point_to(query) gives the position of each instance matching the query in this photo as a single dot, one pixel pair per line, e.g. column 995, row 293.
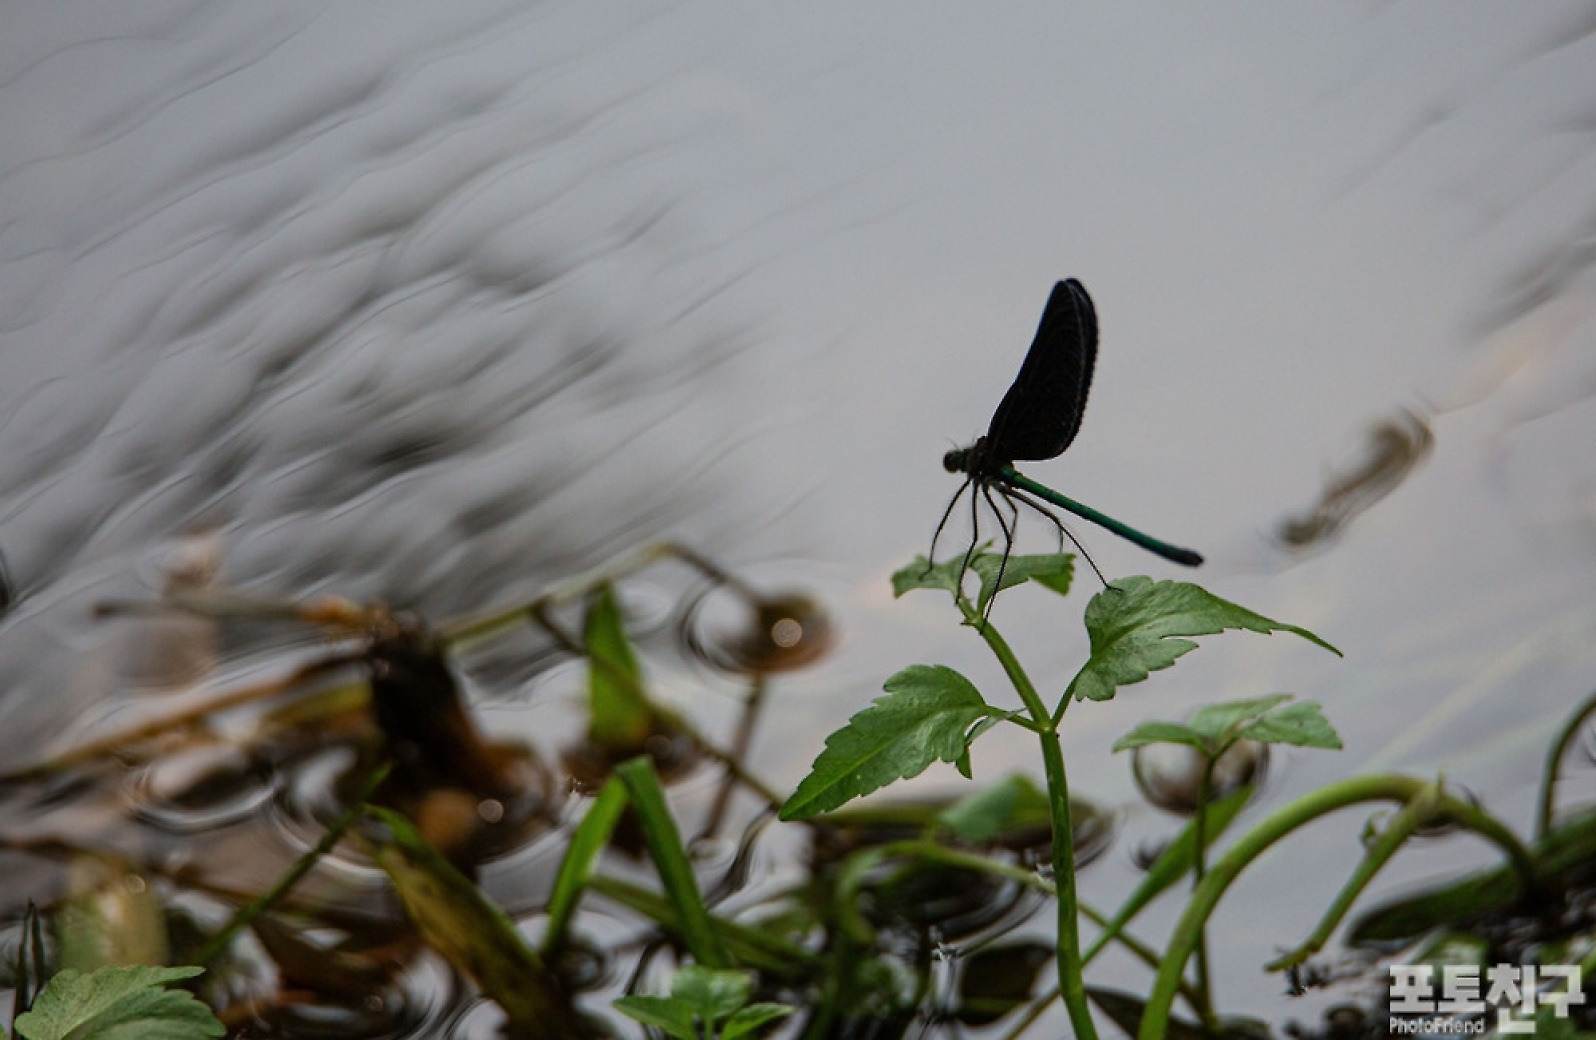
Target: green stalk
column 1554, row 759
column 1419, row 811
column 1205, row 1007
column 1138, row 949
column 1189, row 930
column 1071, row 973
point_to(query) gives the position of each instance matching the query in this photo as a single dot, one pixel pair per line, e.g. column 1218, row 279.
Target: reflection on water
column 409, row 322
column 1395, row 448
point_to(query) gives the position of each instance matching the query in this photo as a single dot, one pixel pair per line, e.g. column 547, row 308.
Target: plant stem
column 1189, row 930
column 1554, row 759
column 1205, row 790
column 1395, row 832
column 1071, row 975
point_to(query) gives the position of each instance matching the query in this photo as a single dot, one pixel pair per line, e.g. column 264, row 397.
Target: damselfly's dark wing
column 1039, row 416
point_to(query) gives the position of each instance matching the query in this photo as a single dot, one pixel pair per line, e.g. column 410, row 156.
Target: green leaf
column 1136, row 627
column 587, row 841
column 1220, row 723
column 1053, row 570
column 700, row 999
column 713, row 993
column 751, row 1018
column 925, row 717
column 982, row 816
column 618, row 714
column 118, row 1003
column 674, row 1016
column 1300, row 724
column 922, row 574
column 1213, row 729
column 670, row 860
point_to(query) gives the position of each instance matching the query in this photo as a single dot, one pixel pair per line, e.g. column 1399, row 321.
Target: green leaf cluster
column 931, row 713
column 1136, row 626
column 119, row 1003
column 704, row 1003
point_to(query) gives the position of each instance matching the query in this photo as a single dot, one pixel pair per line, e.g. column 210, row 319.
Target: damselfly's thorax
column 977, row 460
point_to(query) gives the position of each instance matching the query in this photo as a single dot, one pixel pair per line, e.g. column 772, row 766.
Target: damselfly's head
column 964, row 460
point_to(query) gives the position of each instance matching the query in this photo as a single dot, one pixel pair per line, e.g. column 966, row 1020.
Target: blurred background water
column 441, row 304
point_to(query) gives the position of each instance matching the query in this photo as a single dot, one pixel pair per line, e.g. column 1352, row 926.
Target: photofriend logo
column 1460, row 1001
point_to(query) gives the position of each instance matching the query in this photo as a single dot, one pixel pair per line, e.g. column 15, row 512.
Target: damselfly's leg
column 931, row 557
column 975, row 534
column 1008, row 545
column 1064, row 532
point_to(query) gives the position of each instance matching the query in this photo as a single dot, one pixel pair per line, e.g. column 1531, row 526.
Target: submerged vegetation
column 885, row 919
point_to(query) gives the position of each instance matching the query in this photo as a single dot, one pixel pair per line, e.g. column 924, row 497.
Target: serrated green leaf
column 712, row 993
column 618, row 714
column 118, row 1003
column 921, row 574
column 1302, row 725
column 1052, row 569
column 1214, row 728
column 1136, row 627
column 673, row 1016
column 751, row 1018
column 925, row 717
column 1219, row 723
column 1059, row 583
